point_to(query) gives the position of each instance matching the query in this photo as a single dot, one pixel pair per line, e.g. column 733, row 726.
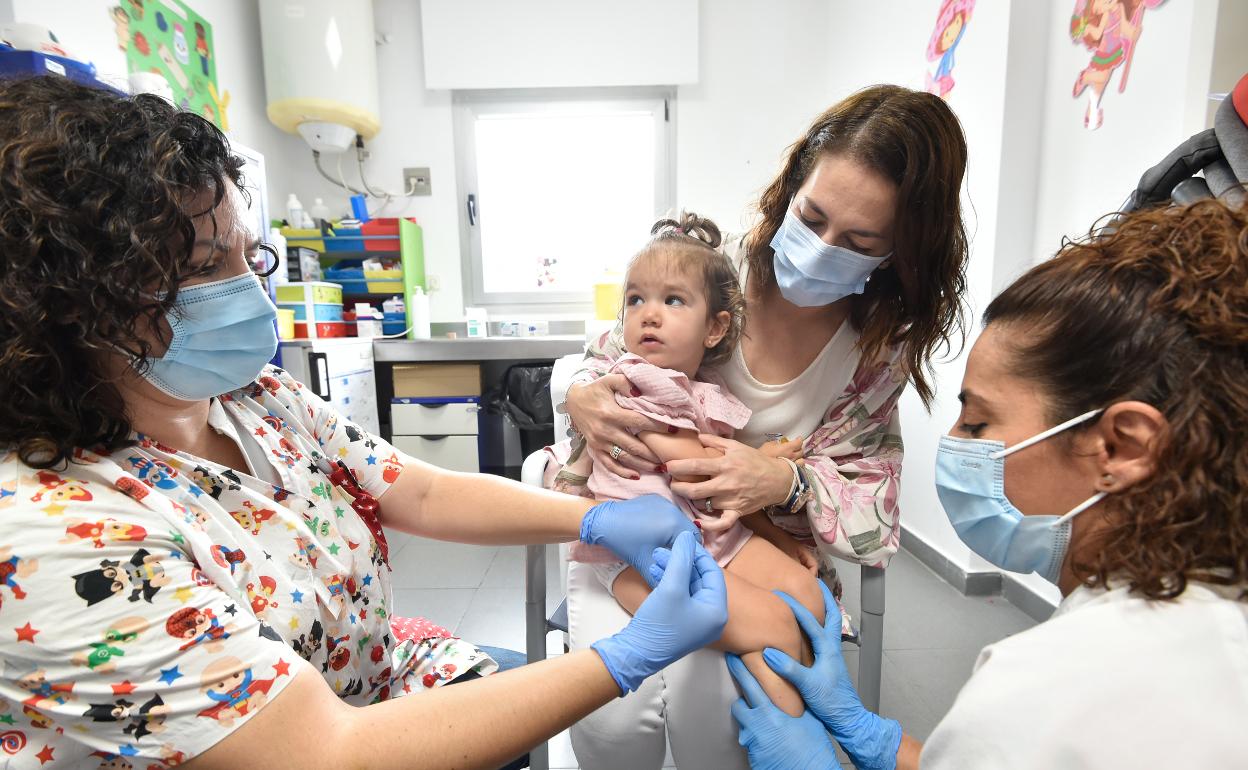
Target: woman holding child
column 851, row 283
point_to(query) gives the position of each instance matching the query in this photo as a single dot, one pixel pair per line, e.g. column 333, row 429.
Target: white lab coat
column 1111, row 680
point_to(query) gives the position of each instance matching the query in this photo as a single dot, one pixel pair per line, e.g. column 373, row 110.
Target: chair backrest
column 560, row 379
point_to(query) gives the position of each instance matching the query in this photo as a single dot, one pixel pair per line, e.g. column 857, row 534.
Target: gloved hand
column 634, row 528
column 775, row 740
column 686, row 611
column 870, row 740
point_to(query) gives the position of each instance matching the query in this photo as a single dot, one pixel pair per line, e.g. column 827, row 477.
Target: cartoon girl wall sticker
column 1110, row 29
column 950, row 26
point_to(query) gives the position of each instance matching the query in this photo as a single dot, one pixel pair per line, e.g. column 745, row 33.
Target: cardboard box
column 437, row 380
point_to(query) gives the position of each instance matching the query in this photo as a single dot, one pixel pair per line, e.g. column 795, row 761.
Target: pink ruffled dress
column 671, row 398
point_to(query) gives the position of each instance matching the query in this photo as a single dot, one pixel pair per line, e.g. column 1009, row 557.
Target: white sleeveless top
column 797, row 407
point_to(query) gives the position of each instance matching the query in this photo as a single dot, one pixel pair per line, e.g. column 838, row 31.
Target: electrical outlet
column 416, row 181
column 433, row 283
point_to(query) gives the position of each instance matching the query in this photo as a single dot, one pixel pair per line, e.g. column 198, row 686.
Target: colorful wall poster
column 1110, row 29
column 172, row 40
column 951, row 23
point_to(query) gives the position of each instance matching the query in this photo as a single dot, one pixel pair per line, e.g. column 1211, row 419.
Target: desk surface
column 478, row 348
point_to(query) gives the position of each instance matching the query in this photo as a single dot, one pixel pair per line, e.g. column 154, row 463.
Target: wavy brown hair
column 913, row 139
column 96, row 192
column 1154, row 311
column 692, row 243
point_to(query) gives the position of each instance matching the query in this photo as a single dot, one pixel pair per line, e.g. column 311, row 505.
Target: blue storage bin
column 345, row 239
column 323, row 312
column 394, row 323
column 349, row 273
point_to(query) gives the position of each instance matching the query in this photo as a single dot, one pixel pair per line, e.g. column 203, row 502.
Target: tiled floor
column 932, row 633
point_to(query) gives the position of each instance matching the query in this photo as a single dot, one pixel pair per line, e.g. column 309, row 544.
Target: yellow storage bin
column 384, row 281
column 285, row 323
column 304, row 236
column 316, row 292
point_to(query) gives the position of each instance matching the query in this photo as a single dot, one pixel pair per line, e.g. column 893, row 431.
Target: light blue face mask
column 223, row 335
column 970, row 481
column 811, row 273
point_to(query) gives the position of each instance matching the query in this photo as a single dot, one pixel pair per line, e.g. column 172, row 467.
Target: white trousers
column 687, row 703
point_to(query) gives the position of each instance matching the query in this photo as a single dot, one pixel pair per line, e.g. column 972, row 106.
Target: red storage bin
column 382, row 226
column 323, row 330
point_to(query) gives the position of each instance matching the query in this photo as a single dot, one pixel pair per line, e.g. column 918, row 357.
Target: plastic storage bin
column 384, row 281
column 317, row 292
column 309, row 237
column 393, row 323
column 350, row 275
column 320, row 312
column 385, row 226
column 345, row 239
column 321, row 330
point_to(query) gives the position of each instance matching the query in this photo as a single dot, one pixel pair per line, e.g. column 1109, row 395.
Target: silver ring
column 616, row 451
column 706, row 505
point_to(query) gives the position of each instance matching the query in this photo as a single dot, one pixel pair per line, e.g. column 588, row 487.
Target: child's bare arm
column 681, row 445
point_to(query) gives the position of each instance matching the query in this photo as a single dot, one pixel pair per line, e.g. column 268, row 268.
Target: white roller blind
column 471, row 44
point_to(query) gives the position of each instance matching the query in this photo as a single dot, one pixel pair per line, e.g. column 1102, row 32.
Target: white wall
column 886, row 44
column 1084, row 174
column 764, row 77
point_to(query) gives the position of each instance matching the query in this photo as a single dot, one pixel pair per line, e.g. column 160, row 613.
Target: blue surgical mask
column 970, row 481
column 223, row 335
column 811, row 273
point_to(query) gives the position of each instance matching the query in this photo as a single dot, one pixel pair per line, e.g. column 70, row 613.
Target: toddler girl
column 683, row 313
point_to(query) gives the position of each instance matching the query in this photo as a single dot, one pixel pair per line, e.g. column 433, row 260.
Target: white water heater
column 320, row 70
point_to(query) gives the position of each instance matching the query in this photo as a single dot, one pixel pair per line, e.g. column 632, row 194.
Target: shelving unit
column 408, row 249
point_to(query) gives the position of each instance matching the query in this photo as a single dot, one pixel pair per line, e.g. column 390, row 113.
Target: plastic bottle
column 419, row 314
column 319, row 212
column 294, row 211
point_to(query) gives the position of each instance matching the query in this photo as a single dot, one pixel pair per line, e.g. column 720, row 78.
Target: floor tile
column 495, row 617
column 937, row 675
column 444, row 606
column 434, row 564
column 507, row 569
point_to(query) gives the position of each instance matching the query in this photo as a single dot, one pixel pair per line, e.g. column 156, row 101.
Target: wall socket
column 416, row 181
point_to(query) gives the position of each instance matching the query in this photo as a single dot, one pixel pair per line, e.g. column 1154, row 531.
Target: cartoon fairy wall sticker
column 1110, row 29
column 950, row 26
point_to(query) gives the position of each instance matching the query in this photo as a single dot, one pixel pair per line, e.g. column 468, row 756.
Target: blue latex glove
column 686, row 611
column 870, row 740
column 633, row 529
column 775, row 740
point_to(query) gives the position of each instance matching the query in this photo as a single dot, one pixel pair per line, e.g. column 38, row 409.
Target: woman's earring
column 1107, row 479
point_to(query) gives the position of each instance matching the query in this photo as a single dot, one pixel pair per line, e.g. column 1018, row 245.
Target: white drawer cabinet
column 455, row 419
column 440, row 431
column 454, row 453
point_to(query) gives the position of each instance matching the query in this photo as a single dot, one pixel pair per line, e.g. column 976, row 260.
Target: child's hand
column 791, row 448
column 725, row 520
column 805, row 556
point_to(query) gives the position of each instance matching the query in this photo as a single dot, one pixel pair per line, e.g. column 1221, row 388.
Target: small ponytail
column 687, row 225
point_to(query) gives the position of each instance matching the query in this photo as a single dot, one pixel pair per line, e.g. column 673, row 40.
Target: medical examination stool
column 870, row 638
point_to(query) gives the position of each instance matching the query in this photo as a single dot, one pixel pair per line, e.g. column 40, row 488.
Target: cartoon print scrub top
column 152, row 601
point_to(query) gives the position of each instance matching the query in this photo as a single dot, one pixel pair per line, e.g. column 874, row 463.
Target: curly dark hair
column 1154, row 311
column 693, row 241
column 96, row 232
column 913, row 139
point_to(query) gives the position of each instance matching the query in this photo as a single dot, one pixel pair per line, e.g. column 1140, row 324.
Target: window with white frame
column 558, row 188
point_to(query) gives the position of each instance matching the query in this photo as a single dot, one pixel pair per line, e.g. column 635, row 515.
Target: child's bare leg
column 757, row 618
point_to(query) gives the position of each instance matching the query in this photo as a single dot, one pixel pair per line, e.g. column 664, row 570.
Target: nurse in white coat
column 1101, row 443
